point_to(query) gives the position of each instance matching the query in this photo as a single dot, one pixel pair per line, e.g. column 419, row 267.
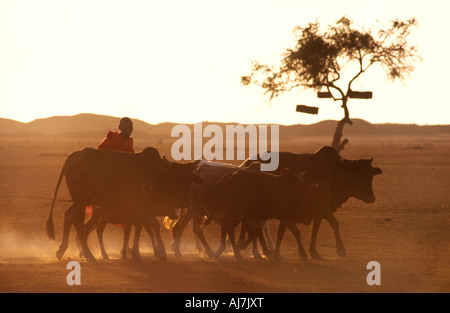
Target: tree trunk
column 337, row 143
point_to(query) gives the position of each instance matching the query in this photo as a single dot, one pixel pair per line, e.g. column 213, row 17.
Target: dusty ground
column 406, row 230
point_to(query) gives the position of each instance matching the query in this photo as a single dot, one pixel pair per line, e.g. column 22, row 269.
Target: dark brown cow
column 130, row 188
column 247, row 195
column 346, row 178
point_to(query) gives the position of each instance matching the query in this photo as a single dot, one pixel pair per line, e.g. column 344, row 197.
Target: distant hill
column 89, row 126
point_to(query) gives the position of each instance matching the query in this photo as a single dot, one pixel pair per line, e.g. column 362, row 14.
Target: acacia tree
column 322, row 59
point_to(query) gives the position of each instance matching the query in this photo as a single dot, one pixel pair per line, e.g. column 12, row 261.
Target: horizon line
column 220, row 122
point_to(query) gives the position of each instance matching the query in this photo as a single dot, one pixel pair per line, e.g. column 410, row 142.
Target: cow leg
column 137, row 232
column 178, row 229
column 135, row 255
column 198, row 243
column 100, row 229
column 160, row 251
column 91, row 224
column 78, row 219
column 312, row 245
column 301, row 251
column 197, row 222
column 268, row 236
column 68, row 220
column 242, row 243
column 152, row 237
column 223, row 240
column 335, row 225
column 260, row 236
column 229, row 227
column 280, row 234
column 254, row 233
column 126, row 239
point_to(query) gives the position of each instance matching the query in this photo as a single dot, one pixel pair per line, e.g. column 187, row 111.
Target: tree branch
column 361, row 70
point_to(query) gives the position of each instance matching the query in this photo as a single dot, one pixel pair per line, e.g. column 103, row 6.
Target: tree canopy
column 320, row 56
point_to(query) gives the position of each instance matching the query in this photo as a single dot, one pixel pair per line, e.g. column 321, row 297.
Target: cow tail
column 49, row 224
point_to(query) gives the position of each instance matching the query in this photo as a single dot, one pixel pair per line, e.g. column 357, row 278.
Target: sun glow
column 182, row 61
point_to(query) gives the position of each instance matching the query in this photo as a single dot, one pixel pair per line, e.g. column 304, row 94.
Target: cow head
column 359, row 175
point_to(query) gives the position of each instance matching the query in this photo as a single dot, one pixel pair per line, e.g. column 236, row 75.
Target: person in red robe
column 119, row 141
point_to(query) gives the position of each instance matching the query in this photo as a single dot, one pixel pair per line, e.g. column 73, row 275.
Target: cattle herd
column 135, row 189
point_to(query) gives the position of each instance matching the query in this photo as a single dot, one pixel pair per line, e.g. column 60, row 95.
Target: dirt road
column 406, row 230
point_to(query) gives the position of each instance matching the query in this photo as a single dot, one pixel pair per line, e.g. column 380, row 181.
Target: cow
column 253, row 196
column 99, row 219
column 202, row 201
column 346, row 178
column 130, row 188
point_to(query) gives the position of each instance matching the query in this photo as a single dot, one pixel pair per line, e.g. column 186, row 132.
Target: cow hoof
column 269, row 253
column 177, row 254
column 106, row 257
column 341, row 252
column 59, row 254
column 212, row 255
column 161, row 255
column 259, row 257
column 136, row 257
column 316, row 256
column 201, row 254
column 91, row 259
column 304, row 257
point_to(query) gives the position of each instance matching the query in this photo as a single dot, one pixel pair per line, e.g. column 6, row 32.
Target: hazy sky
column 181, row 61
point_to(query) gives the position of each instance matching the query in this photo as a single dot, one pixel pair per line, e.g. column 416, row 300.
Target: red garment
column 115, row 141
